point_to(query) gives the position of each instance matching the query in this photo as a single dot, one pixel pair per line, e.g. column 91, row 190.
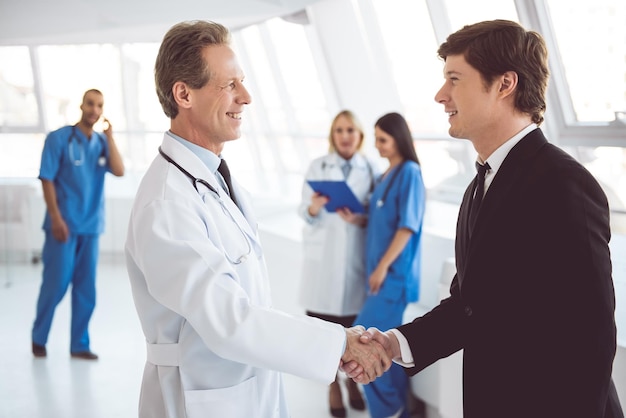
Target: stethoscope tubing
column 74, row 140
column 380, row 202
column 195, row 180
column 216, row 194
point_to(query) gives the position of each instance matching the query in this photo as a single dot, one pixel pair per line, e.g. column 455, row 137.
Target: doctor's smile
column 236, row 116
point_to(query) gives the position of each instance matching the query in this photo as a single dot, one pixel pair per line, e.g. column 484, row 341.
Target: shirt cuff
column 406, row 357
column 312, row 220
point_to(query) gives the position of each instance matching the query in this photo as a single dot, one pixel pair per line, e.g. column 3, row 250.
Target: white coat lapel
column 186, row 159
column 242, row 216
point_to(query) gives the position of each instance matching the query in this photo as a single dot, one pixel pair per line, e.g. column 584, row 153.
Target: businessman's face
column 470, row 104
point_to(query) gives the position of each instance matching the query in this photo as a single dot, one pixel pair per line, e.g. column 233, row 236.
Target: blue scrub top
column 403, row 208
column 73, row 163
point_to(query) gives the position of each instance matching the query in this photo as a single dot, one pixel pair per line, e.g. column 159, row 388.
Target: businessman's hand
column 387, row 340
column 365, row 358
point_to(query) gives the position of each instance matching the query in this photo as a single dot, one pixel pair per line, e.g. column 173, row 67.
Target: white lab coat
column 333, row 274
column 215, row 346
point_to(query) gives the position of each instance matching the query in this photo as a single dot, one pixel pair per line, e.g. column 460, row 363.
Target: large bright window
column 463, row 12
column 591, row 38
column 287, row 121
column 411, row 48
column 298, row 72
column 67, row 71
column 18, row 104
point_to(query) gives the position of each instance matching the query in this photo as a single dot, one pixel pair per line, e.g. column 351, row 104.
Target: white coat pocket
column 234, row 402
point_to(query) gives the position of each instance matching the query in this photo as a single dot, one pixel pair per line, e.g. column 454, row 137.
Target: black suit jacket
column 532, row 303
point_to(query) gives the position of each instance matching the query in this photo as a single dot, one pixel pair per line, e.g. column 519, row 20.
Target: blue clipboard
column 339, row 194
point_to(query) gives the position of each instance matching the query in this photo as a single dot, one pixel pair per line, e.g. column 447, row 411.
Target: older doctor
column 215, row 345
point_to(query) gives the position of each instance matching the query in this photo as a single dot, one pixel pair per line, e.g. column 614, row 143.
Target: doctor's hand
column 351, row 217
column 59, row 228
column 317, row 203
column 367, row 360
column 387, row 341
column 107, row 128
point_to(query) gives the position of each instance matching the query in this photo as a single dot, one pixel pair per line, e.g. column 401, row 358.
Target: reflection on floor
column 60, row 387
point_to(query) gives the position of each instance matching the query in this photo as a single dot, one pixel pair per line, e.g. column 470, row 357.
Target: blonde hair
column 353, row 119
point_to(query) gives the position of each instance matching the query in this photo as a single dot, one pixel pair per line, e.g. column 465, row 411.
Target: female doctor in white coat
column 215, row 345
column 333, row 274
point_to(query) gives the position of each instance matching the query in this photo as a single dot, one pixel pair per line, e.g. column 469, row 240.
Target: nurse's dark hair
column 395, row 125
column 353, row 119
column 180, row 59
column 497, row 46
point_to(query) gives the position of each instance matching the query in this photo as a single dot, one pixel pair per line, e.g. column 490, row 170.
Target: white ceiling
column 34, row 22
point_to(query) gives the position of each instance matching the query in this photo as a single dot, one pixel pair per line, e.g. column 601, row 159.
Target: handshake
column 368, row 353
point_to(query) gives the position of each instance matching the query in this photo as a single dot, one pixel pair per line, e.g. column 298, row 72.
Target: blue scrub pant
column 73, row 261
column 387, row 394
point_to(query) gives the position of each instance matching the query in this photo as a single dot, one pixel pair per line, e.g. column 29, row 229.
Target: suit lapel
column 462, row 229
column 514, row 169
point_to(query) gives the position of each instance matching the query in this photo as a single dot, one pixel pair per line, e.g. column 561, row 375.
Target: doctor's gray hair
column 180, row 59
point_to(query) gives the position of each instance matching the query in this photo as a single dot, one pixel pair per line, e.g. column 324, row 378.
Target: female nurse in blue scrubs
column 394, row 232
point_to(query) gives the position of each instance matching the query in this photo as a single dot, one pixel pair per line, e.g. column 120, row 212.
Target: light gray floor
column 60, row 387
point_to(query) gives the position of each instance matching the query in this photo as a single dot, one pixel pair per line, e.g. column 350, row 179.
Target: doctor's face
column 217, row 108
column 92, row 108
column 346, row 137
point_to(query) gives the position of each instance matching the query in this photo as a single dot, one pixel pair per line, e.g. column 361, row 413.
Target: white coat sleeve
column 186, row 272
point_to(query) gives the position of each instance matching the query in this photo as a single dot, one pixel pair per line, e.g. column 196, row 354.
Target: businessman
column 532, row 302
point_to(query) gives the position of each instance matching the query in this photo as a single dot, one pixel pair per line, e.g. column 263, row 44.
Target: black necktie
column 225, row 172
column 478, row 197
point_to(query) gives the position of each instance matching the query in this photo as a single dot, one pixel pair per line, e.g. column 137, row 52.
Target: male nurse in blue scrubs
column 73, row 164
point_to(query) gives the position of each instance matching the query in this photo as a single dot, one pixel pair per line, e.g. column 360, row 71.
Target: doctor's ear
column 181, row 93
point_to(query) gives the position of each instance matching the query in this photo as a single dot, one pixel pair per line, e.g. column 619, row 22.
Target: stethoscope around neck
column 380, row 202
column 195, row 181
column 74, row 141
column 370, row 170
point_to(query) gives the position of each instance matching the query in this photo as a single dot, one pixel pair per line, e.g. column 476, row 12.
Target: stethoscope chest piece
column 74, row 142
column 380, row 202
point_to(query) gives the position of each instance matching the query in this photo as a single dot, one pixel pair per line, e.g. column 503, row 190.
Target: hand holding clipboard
column 339, row 195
